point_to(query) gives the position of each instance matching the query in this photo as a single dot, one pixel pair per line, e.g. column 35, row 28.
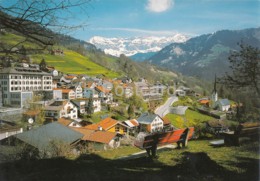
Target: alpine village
column 70, row 110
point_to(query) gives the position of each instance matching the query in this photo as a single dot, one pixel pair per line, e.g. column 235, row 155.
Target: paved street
column 164, row 109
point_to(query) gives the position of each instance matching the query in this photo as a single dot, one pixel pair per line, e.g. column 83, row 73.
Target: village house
column 66, row 93
column 61, row 108
column 99, row 140
column 149, row 92
column 68, row 78
column 133, row 126
column 150, row 123
column 110, row 125
column 80, row 104
column 105, row 84
column 105, row 94
column 78, row 91
column 90, row 92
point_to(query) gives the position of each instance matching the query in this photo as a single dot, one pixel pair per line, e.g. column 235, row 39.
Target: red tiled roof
column 96, row 136
column 204, row 101
column 105, row 124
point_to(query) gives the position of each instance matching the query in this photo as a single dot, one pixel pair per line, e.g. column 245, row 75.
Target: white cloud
column 159, row 5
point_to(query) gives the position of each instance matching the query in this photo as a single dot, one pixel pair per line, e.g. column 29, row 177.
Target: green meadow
column 191, row 118
column 74, row 63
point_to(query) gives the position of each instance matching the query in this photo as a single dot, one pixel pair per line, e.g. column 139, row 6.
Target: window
column 117, row 128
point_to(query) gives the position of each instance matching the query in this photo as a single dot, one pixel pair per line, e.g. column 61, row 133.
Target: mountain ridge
column 132, row 46
column 205, row 55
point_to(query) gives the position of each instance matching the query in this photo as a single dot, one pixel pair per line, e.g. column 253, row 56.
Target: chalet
column 105, row 94
column 61, row 108
column 150, row 123
column 110, row 125
column 80, row 104
column 99, row 140
column 133, row 125
column 78, row 91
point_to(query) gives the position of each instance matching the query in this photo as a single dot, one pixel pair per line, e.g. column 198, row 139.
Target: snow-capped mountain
column 131, row 46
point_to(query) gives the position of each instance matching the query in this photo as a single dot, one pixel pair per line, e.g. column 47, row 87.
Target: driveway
column 164, row 109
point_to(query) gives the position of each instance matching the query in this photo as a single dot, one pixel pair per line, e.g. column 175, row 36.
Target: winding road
column 164, row 109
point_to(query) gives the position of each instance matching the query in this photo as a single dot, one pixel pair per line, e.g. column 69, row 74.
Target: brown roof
column 96, row 136
column 105, row 124
column 64, row 121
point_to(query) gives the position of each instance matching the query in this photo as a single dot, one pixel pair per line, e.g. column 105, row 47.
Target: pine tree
column 43, row 65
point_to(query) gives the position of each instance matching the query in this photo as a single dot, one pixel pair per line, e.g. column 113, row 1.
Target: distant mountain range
column 205, row 55
column 132, row 46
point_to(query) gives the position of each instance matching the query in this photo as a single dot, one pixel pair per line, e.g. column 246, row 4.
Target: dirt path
column 143, row 153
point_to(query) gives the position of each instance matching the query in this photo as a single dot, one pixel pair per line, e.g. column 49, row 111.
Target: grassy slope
column 191, row 118
column 197, row 162
column 71, row 62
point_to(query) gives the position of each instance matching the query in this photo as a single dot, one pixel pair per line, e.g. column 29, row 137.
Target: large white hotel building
column 18, row 84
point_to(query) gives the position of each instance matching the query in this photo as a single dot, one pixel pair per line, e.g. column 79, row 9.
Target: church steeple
column 215, row 85
column 214, row 96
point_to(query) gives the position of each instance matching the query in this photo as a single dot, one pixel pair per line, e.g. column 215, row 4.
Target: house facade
column 61, row 108
column 110, row 125
column 150, row 123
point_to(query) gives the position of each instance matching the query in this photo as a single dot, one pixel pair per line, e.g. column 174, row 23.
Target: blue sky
column 128, row 18
column 135, row 18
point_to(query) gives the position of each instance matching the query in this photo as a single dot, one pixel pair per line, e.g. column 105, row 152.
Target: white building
column 61, row 108
column 78, row 91
column 18, row 84
column 150, row 123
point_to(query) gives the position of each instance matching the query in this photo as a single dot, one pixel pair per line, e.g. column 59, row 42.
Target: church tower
column 214, row 95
